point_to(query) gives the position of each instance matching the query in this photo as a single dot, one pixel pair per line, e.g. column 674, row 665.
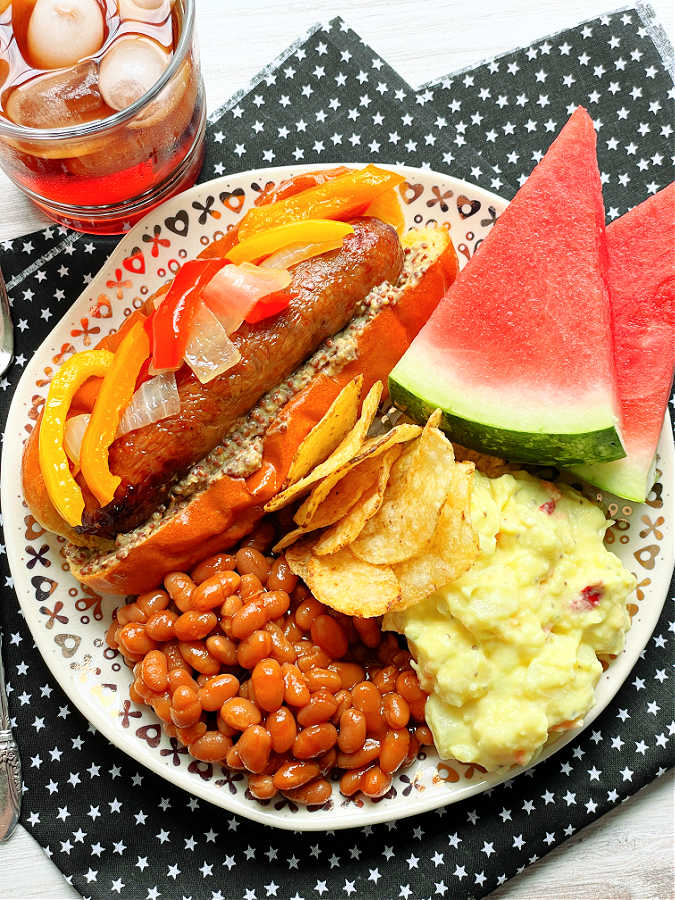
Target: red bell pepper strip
column 172, row 319
column 269, row 305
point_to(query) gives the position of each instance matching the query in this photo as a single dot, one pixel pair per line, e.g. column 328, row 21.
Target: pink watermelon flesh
column 641, row 247
column 519, row 353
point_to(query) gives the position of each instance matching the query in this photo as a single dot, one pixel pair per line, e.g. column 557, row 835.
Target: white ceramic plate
column 68, row 622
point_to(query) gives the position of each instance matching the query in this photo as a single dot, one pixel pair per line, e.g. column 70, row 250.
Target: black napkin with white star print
column 619, row 66
column 115, row 830
column 332, row 98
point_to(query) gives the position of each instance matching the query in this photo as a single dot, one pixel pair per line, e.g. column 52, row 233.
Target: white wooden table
column 628, row 853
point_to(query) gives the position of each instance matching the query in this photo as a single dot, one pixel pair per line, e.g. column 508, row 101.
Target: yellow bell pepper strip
column 341, row 198
column 387, row 208
column 309, row 231
column 114, row 395
column 84, row 399
column 62, row 488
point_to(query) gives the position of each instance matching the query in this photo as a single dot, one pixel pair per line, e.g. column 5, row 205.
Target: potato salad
column 509, row 652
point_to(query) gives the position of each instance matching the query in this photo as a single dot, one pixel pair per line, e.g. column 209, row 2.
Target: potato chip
column 351, row 586
column 350, row 527
column 492, row 466
column 328, row 432
column 452, row 549
column 372, row 448
column 417, row 489
column 346, row 450
column 434, row 419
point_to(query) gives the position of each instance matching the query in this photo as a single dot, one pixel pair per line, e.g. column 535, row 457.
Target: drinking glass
column 101, row 176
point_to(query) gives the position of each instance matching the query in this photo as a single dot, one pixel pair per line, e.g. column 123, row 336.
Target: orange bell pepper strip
column 340, row 198
column 62, row 489
column 307, row 231
column 114, row 395
column 84, row 399
column 287, row 188
column 387, row 208
column 297, row 183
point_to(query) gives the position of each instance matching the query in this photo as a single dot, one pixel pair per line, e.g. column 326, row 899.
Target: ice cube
column 59, row 99
column 151, row 11
column 129, row 69
column 62, row 32
column 173, row 106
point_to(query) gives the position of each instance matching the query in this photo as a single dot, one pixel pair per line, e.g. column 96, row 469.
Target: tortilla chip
column 343, row 495
column 372, row 448
column 416, row 492
column 346, row 450
column 336, row 506
column 452, row 549
column 298, row 557
column 322, row 440
column 350, row 527
column 351, row 586
column 290, row 538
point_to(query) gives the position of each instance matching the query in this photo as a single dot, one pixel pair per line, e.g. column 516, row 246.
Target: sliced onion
column 210, row 352
column 297, row 253
column 234, row 291
column 72, row 437
column 155, row 399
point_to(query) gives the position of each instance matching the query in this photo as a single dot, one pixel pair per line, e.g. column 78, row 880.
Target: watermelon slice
column 642, row 289
column 518, row 355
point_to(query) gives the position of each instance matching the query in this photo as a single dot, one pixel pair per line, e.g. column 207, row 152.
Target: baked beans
column 215, row 590
column 213, row 565
column 282, row 728
column 247, row 669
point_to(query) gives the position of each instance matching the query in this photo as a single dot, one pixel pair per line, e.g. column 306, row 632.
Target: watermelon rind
column 624, row 478
column 602, row 444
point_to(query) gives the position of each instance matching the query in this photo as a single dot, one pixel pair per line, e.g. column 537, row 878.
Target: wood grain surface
column 629, row 852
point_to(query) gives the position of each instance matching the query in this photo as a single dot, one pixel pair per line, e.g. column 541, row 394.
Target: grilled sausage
column 328, row 290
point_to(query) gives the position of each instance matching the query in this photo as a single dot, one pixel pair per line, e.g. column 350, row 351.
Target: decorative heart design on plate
column 33, row 528
column 233, row 200
column 466, row 207
column 410, row 192
column 103, row 308
column 151, row 734
column 135, row 262
column 44, row 587
column 178, row 224
column 68, row 644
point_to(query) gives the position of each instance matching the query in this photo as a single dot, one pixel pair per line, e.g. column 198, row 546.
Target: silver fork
column 10, row 766
column 6, row 329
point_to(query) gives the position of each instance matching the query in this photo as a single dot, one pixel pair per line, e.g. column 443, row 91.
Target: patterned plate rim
column 606, row 688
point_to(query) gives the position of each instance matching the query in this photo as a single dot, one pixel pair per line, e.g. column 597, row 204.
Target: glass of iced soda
column 102, row 110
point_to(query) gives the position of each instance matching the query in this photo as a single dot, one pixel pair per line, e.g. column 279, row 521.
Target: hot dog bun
column 220, row 514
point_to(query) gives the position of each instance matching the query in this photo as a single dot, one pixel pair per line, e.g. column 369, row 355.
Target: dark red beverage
column 101, row 106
